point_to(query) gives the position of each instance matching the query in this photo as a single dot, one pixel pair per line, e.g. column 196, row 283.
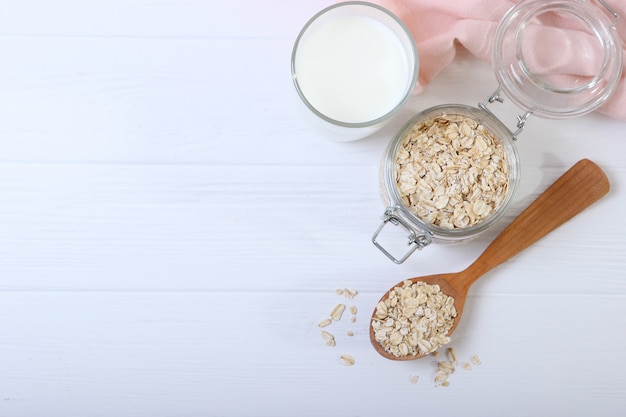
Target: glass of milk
column 354, row 65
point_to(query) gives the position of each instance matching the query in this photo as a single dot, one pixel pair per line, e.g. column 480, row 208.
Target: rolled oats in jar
column 451, row 171
column 447, row 176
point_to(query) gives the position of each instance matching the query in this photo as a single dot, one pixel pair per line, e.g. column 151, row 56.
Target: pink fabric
column 439, row 26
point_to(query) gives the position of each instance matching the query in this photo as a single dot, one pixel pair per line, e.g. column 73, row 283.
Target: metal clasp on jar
column 416, row 239
column 521, row 120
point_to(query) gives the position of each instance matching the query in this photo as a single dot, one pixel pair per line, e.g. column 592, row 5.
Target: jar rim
column 536, row 92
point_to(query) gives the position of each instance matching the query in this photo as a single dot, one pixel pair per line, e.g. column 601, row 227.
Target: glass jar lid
column 558, row 58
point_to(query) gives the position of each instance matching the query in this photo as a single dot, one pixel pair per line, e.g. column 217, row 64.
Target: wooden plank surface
column 172, row 231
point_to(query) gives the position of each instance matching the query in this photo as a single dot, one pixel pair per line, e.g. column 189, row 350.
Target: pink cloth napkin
column 439, row 26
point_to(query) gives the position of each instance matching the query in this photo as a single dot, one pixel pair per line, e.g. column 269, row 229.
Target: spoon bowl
column 578, row 188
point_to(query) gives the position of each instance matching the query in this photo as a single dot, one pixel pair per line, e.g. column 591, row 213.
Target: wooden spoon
column 578, row 188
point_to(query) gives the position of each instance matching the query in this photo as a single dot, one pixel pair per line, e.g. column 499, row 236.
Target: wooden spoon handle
column 575, row 190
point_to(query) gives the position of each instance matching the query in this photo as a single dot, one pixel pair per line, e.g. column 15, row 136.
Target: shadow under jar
column 453, row 170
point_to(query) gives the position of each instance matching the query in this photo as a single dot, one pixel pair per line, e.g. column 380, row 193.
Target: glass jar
column 534, row 81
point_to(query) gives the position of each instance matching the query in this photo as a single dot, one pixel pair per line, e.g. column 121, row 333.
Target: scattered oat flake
column 467, row 366
column 325, row 322
column 353, row 310
column 452, row 355
column 350, row 293
column 339, row 291
column 328, row 338
column 347, row 360
column 475, row 360
column 445, row 366
column 353, row 319
column 414, row 378
column 350, row 333
column 440, row 377
column 337, row 312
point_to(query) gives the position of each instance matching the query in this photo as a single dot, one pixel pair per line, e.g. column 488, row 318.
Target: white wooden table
column 171, row 233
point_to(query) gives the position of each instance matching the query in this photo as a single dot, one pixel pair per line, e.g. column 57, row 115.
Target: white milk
column 353, row 68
